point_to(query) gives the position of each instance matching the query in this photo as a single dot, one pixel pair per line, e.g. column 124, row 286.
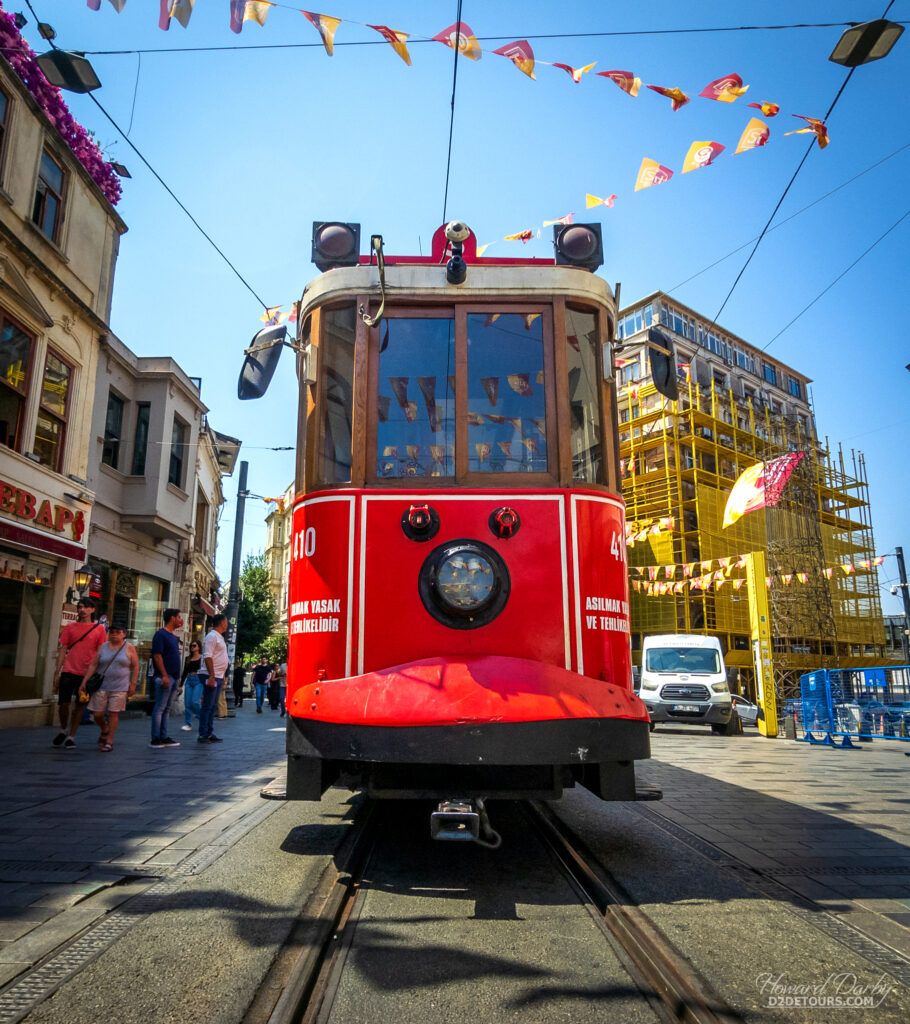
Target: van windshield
column 682, row 659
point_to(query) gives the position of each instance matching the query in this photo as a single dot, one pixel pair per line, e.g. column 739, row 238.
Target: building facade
column 679, row 461
column 278, row 552
column 59, row 239
column 156, row 472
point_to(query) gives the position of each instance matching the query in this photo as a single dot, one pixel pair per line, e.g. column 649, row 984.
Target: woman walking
column 192, row 685
column 118, row 662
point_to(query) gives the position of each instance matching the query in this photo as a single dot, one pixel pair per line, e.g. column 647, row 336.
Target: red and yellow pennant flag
column 760, row 486
column 768, row 109
column 815, row 127
column 676, row 96
column 738, row 583
column 848, row 568
column 725, row 89
column 803, row 577
column 248, row 10
column 270, row 316
column 651, row 173
column 828, row 572
column 878, row 560
column 561, row 220
column 325, row 25
column 397, row 41
column 624, row 79
column 520, row 236
column 669, row 571
column 591, row 201
column 755, row 134
column 520, row 54
column 787, row 578
column 182, row 10
column 687, row 569
column 460, row 37
column 576, row 73
column 686, row 369
column 701, row 154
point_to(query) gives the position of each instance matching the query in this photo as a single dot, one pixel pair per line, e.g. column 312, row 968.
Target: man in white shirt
column 211, row 673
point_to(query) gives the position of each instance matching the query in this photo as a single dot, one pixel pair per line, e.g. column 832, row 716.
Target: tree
column 275, row 647
column 257, row 615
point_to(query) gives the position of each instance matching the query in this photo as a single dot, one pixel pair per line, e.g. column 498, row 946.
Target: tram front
column 459, row 609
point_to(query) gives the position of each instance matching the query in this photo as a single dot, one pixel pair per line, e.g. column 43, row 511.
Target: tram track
column 657, row 971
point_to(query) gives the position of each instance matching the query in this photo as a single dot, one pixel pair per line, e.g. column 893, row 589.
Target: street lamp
column 68, row 70
column 864, row 43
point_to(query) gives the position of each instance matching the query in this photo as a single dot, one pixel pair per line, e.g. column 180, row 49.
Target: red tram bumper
column 491, row 726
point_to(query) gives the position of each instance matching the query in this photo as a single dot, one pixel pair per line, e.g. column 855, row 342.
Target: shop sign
column 41, row 512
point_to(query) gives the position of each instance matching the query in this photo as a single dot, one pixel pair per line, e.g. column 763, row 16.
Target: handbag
column 94, row 681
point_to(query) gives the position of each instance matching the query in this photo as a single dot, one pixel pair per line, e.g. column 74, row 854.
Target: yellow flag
column 755, row 134
column 597, row 201
column 325, row 25
column 701, row 154
column 255, row 10
column 395, row 39
column 651, row 173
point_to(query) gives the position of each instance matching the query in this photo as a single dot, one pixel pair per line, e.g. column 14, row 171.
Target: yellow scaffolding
column 679, row 461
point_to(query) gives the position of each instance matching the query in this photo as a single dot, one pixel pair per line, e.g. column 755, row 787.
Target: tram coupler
column 455, row 820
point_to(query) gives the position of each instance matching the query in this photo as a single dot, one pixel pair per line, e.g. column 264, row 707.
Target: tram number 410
column 305, row 542
column 618, row 547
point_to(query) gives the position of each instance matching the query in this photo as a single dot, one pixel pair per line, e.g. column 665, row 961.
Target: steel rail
column 658, row 967
column 309, row 982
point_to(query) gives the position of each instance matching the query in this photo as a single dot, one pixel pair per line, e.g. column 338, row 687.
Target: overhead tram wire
column 789, row 185
column 416, row 40
column 445, row 198
column 165, row 186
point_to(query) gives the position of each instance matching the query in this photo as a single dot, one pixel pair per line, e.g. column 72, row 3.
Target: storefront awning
column 41, row 541
column 205, row 606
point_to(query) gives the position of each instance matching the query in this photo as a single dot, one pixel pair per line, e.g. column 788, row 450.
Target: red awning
column 205, row 606
column 41, row 541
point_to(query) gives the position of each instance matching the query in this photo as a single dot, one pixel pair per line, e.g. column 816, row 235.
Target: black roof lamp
column 865, row 43
column 68, row 70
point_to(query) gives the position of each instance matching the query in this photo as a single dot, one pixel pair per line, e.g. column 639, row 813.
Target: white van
column 683, row 679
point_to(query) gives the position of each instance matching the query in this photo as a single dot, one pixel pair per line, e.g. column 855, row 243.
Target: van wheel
column 732, row 728
column 719, row 730
column 652, row 726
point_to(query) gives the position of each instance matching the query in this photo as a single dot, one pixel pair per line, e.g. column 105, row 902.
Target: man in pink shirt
column 79, row 643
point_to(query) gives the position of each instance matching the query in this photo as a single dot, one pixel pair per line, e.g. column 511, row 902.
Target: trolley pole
column 233, row 605
column 902, row 573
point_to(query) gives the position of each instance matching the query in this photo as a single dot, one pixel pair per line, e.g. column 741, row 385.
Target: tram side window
column 415, row 407
column 582, row 339
column 337, row 370
column 507, row 429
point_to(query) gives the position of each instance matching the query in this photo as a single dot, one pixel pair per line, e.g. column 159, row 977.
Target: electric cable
column 445, row 198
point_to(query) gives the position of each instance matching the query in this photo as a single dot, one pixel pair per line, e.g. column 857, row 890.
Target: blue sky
column 259, row 143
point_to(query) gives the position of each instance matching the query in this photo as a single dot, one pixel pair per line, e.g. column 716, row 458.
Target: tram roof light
column 578, row 245
column 662, row 360
column 335, row 244
column 865, row 43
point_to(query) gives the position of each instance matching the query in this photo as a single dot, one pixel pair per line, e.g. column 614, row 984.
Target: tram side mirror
column 261, row 361
column 662, row 360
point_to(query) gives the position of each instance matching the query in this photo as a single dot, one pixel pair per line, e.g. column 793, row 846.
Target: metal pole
column 233, row 605
column 902, row 573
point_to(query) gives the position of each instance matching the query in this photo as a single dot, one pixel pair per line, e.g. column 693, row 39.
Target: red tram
column 459, row 616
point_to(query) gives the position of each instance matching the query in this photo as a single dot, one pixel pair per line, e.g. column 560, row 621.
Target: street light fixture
column 82, row 577
column 68, row 70
column 864, row 43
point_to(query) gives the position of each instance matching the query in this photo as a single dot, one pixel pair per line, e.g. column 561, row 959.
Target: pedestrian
column 214, row 665
column 79, row 643
column 262, row 673
column 166, row 661
column 273, row 687
column 238, row 681
column 282, row 671
column 192, row 685
column 118, row 662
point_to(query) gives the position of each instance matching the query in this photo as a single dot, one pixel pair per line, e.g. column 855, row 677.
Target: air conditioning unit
column 728, row 359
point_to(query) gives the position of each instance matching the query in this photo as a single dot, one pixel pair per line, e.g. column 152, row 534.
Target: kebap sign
column 38, row 521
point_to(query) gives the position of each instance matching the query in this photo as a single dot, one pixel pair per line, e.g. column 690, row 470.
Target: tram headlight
column 335, row 244
column 578, row 245
column 464, row 584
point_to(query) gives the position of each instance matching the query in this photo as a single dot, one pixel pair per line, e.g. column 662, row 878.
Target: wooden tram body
column 459, row 608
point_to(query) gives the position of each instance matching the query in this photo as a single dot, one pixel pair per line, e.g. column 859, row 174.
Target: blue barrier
column 852, row 703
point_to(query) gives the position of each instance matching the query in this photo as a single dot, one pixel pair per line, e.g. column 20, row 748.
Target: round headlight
column 464, row 584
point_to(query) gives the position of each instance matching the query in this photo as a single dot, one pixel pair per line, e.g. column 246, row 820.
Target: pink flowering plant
column 21, row 59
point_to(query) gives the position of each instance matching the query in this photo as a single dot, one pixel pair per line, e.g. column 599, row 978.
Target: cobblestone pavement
column 82, row 831
column 829, row 824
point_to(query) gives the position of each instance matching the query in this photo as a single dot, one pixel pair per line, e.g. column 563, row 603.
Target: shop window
column 141, row 439
column 113, row 431
column 26, row 619
column 52, row 412
column 584, row 395
column 15, row 365
column 176, row 465
column 416, row 401
column 47, row 211
column 335, row 432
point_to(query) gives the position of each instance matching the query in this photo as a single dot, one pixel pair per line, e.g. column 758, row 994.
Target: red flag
column 624, row 79
column 759, row 486
column 560, row 220
column 755, row 134
column 460, row 37
column 396, row 40
column 520, row 236
column 676, row 96
column 520, row 54
column 725, row 89
column 701, row 154
column 576, row 73
column 768, row 109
